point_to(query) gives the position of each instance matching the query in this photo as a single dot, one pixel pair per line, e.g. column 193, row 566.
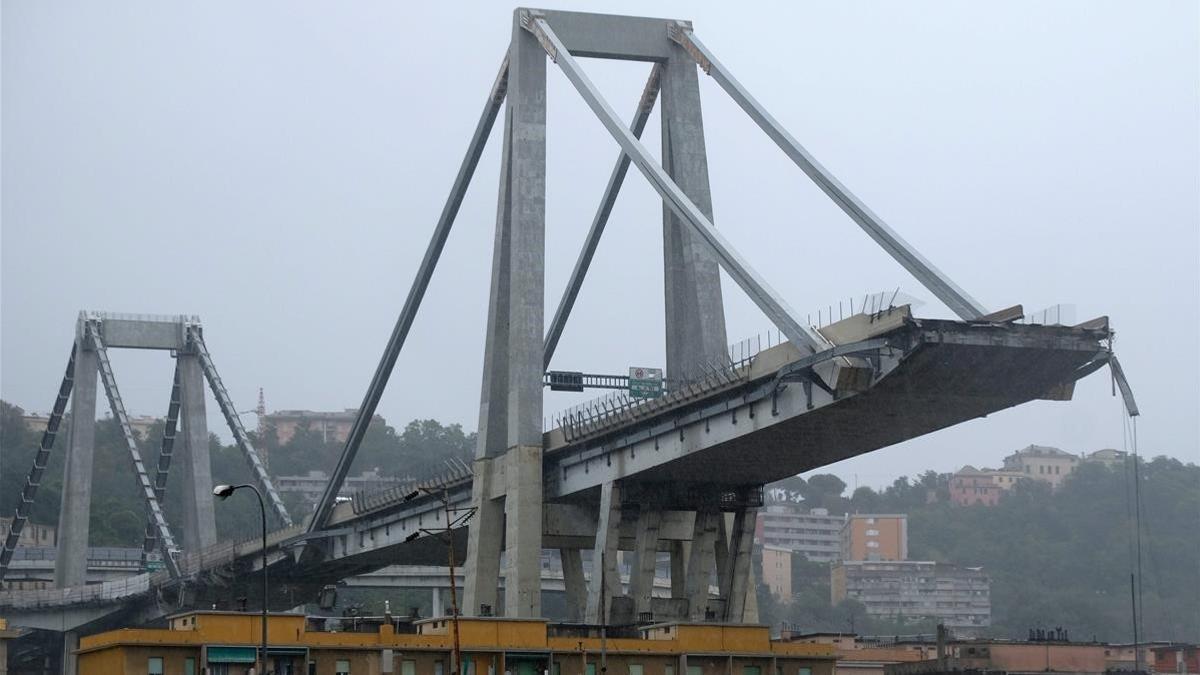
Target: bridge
column 676, row 477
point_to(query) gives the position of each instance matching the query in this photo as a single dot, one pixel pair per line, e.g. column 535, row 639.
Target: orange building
column 1177, row 658
column 875, row 537
column 333, row 427
column 969, row 486
column 225, row 643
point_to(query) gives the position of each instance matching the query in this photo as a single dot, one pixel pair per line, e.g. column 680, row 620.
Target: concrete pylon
column 574, row 583
column 645, row 560
column 605, row 582
column 700, row 562
column 199, row 520
column 695, row 314
column 511, row 401
column 736, row 577
column 70, row 567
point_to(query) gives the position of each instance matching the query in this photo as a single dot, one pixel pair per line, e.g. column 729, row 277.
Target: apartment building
column 958, row 596
column 333, row 427
column 777, row 571
column 874, row 537
column 970, row 486
column 814, row 534
column 1044, row 463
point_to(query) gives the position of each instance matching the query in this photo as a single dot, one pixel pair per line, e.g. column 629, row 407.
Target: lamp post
column 223, row 491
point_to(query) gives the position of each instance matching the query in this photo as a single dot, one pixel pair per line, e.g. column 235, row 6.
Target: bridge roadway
column 33, row 566
column 883, row 379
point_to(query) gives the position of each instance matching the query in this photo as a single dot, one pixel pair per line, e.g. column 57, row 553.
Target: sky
column 277, row 168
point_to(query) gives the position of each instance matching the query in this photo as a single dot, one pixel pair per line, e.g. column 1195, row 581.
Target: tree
column 824, row 490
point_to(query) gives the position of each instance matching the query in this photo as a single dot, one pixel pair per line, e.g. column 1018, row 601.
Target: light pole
column 223, row 491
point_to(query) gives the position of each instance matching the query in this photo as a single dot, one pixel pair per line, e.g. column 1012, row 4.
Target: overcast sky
column 277, row 168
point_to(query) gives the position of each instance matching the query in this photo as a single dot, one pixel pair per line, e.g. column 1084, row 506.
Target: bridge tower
column 508, row 461
column 89, row 363
column 705, row 525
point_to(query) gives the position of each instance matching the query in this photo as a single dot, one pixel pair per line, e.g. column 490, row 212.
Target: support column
column 721, row 552
column 199, row 521
column 485, row 532
column 737, row 586
column 573, row 583
column 606, row 578
column 523, row 533
column 437, row 606
column 70, row 567
column 678, row 569
column 641, row 574
column 750, row 613
column 695, row 315
column 526, row 221
column 700, row 563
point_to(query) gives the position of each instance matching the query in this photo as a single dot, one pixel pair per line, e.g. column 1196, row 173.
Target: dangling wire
column 1137, row 507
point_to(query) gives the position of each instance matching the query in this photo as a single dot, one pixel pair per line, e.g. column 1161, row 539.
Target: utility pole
column 603, row 620
column 448, row 536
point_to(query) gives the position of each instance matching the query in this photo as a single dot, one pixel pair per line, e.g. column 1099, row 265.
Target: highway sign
column 645, row 382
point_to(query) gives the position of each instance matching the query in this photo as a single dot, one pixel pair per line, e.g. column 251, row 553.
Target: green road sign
column 645, row 382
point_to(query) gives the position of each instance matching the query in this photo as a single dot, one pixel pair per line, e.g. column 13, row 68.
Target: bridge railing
column 104, row 556
column 618, row 408
column 230, row 551
column 102, row 593
column 364, row 501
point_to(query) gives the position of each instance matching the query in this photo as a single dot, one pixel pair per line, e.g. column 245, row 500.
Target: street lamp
column 223, row 491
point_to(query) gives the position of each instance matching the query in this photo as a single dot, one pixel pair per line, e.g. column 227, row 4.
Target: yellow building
column 1040, row 462
column 224, row 643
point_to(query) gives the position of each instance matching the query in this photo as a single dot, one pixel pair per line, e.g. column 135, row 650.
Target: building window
column 695, row 670
column 635, row 669
column 408, row 667
column 154, row 665
column 189, row 666
column 669, row 669
column 751, row 670
column 805, row 671
column 341, row 667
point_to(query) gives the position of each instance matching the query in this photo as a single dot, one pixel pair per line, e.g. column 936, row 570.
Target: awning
column 232, row 654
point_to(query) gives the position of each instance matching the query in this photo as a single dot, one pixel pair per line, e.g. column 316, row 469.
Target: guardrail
column 102, row 593
column 620, row 408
